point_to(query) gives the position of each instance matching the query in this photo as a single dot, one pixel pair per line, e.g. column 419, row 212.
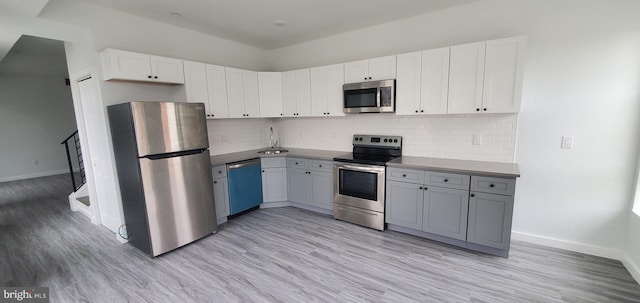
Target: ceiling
column 35, row 56
column 252, row 21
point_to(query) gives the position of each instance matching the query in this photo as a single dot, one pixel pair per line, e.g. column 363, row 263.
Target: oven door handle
column 361, row 167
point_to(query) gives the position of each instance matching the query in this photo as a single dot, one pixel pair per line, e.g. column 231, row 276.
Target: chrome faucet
column 273, row 143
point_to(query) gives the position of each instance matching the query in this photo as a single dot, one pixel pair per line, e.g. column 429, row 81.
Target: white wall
column 425, row 136
column 36, row 114
column 581, row 79
column 114, row 29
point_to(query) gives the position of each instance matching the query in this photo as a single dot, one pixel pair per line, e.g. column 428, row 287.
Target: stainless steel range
column 359, row 180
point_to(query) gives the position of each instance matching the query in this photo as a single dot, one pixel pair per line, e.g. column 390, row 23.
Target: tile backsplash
column 449, row 136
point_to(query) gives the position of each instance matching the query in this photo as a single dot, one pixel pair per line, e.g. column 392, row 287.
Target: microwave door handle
column 378, row 101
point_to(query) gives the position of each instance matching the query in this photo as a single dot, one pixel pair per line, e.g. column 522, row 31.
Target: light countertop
column 495, row 169
column 292, row 152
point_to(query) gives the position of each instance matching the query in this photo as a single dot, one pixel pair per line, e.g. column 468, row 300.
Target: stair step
column 84, row 200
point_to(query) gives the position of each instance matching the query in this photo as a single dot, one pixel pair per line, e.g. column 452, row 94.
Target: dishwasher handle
column 241, row 164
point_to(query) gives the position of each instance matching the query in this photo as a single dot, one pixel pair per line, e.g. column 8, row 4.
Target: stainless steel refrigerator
column 164, row 171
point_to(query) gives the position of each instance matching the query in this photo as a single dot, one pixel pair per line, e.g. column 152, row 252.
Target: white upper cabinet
column 296, row 93
column 270, row 94
column 326, row 90
column 242, row 93
column 217, row 88
column 486, row 77
column 206, row 83
column 435, row 81
column 423, row 82
column 195, row 78
column 124, row 65
column 466, row 73
column 503, row 75
column 381, row 68
column 408, row 84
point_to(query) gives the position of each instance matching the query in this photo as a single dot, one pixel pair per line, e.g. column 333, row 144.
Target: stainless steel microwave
column 370, row 97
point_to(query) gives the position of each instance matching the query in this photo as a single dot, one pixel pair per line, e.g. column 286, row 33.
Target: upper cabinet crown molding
column 131, row 66
column 381, row 68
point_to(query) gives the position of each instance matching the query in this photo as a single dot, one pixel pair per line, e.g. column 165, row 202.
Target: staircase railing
column 78, row 153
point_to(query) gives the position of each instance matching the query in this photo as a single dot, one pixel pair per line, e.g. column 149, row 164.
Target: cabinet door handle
column 155, row 77
column 484, row 109
column 425, row 188
column 404, row 176
column 320, row 165
column 420, row 187
column 149, row 76
column 422, row 110
column 219, row 171
column 215, row 182
column 446, row 180
column 491, row 185
column 477, row 109
column 416, row 110
column 472, row 195
column 263, row 170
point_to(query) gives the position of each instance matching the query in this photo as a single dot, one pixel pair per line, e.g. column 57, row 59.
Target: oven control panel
column 378, row 141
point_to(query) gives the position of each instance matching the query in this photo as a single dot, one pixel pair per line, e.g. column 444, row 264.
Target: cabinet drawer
column 219, row 171
column 298, row 163
column 447, row 180
column 499, row 186
column 319, row 165
column 405, row 175
column 273, row 162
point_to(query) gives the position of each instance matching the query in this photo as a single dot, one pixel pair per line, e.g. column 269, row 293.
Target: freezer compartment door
column 168, row 127
column 179, row 200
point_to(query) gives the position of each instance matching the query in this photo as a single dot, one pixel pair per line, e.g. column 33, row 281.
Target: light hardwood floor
column 279, row 255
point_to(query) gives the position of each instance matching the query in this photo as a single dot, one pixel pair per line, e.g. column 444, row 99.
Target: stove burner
column 373, row 150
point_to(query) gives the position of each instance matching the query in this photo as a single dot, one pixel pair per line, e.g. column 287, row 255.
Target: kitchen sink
column 272, row 151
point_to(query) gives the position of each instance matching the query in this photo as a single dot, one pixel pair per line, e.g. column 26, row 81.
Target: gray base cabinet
column 468, row 211
column 310, row 182
column 404, row 204
column 491, row 212
column 433, row 202
column 445, row 212
column 274, row 179
column 221, row 193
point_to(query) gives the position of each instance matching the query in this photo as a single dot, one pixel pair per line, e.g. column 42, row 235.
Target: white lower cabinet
column 274, row 179
column 221, row 193
column 310, row 182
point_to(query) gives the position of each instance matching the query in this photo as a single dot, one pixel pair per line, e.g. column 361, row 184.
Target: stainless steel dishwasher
column 245, row 185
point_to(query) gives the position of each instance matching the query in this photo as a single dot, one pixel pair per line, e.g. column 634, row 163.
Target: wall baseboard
column 568, row 245
column 35, row 175
column 631, row 266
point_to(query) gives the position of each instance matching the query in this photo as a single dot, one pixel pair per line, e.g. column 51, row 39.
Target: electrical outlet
column 477, row 139
column 567, row 142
